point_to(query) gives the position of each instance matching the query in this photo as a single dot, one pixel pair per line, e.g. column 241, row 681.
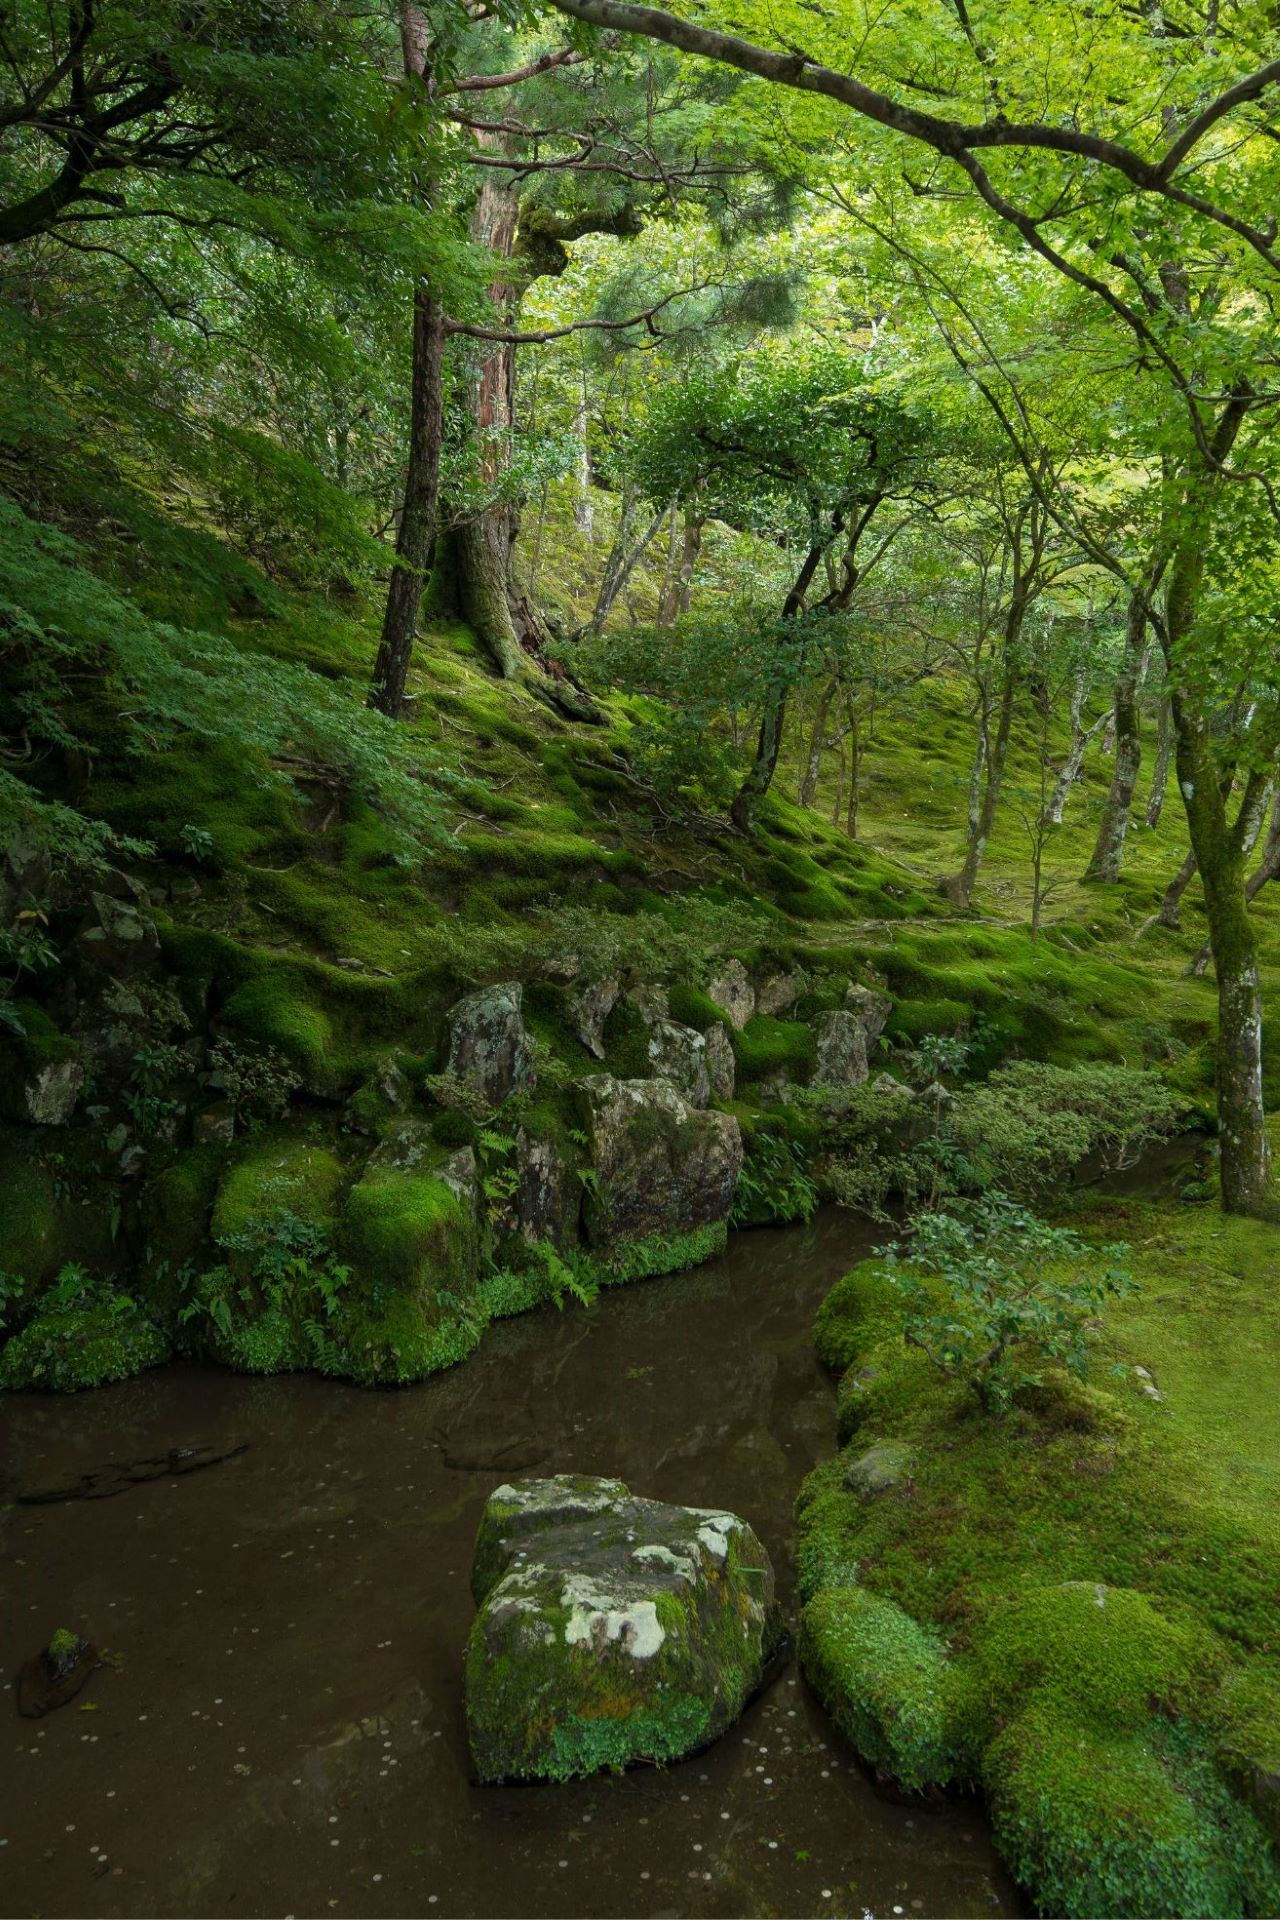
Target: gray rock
column 660, row 1165
column 548, row 1194
column 886, row 1465
column 611, row 1630
column 215, row 1126
column 650, row 1001
column 841, row 1050
column 120, row 939
column 722, row 1068
column 731, row 989
column 589, row 1008
column 488, row 1045
column 885, row 1083
column 774, row 1087
column 51, row 1093
column 935, row 1095
column 459, row 1174
column 403, row 1148
column 871, row 1009
column 780, row 991
column 679, row 1054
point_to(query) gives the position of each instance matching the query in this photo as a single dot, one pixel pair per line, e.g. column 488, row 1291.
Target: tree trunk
column 420, row 508
column 1160, row 771
column 584, row 509
column 1266, row 870
column 759, row 776
column 419, row 514
column 1069, row 772
column 993, row 752
column 1108, row 850
column 1170, row 913
column 1219, row 847
column 622, row 557
column 483, row 545
column 669, row 597
column 808, row 788
column 855, row 770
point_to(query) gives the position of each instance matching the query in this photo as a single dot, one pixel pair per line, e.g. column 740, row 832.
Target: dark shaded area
column 284, row 1731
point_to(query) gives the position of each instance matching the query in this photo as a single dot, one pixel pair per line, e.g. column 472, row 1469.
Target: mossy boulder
column 612, row 1630
column 488, row 1046
column 658, row 1165
column 410, row 1230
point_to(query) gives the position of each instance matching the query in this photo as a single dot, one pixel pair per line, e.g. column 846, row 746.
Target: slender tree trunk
column 483, row 545
column 994, row 752
column 669, row 597
column 842, row 775
column 420, row 512
column 808, row 788
column 1069, row 772
column 1160, row 771
column 1170, row 911
column 1108, row 850
column 759, row 776
column 584, row 510
column 855, row 770
column 623, row 557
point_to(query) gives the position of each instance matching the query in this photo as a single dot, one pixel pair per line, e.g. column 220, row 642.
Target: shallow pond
column 283, row 1732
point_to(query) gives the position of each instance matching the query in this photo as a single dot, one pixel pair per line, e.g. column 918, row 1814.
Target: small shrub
column 1016, row 1292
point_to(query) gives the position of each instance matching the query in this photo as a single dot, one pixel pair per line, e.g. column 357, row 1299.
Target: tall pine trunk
column 420, row 507
column 419, row 514
column 482, row 546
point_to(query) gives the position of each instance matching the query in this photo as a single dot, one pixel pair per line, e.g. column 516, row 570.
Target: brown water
column 283, row 1733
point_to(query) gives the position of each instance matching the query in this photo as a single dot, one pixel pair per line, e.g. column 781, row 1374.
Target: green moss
column 912, row 1020
column 276, row 1170
column 1122, row 1824
column 884, row 1680
column 82, row 1345
column 30, row 1235
column 766, row 1045
column 1103, row 1569
column 657, row 1254
column 693, row 1008
column 1100, row 1656
column 277, row 1010
column 408, row 1230
column 453, row 1130
column 861, row 1310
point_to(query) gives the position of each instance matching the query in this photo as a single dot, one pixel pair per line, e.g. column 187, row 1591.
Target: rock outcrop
column 611, row 1629
column 659, row 1165
column 679, row 1054
column 488, row 1046
column 722, row 1070
column 731, row 989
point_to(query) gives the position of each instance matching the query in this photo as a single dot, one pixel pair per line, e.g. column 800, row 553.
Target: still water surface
column 284, row 1735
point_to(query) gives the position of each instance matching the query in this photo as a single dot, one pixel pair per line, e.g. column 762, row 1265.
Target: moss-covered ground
column 1075, row 1606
